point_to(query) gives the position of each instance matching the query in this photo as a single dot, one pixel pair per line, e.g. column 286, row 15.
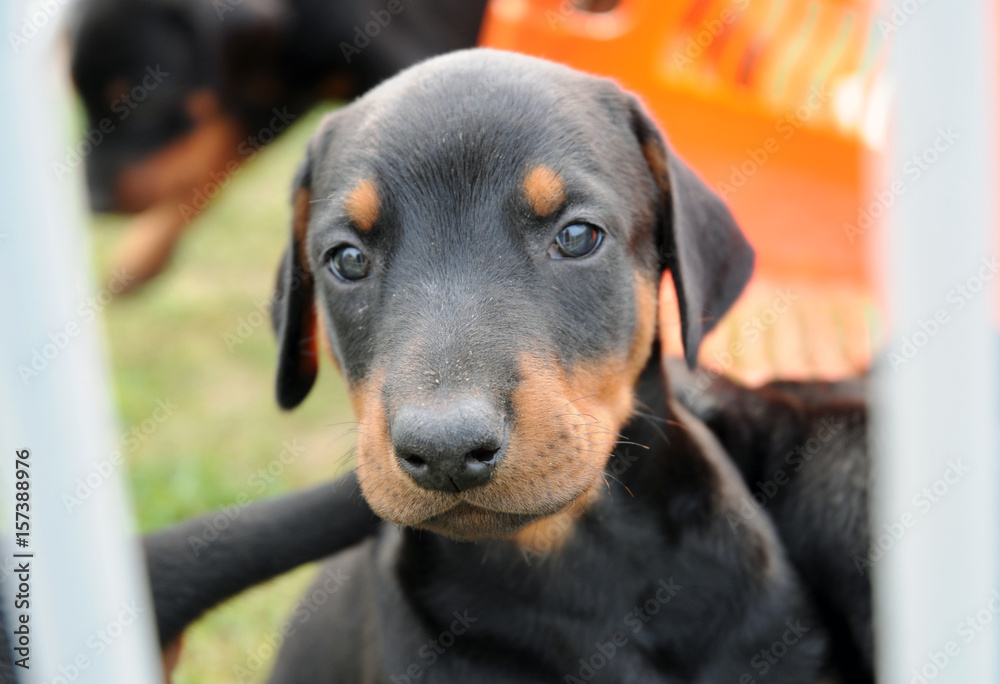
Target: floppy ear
column 701, row 244
column 293, row 311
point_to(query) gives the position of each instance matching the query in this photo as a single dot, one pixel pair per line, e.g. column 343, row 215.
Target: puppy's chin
column 469, row 523
column 475, row 515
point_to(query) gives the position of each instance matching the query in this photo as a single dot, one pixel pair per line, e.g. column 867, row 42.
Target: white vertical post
column 937, row 473
column 86, row 575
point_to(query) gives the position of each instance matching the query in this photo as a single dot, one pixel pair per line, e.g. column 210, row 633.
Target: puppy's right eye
column 348, row 263
column 576, row 241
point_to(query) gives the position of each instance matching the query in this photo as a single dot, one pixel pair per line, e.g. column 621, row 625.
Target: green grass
column 168, row 343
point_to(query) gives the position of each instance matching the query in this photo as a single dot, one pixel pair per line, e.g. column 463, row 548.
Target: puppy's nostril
column 481, row 456
column 415, row 461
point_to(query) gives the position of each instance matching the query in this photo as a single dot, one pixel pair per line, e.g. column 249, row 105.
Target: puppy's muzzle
column 449, row 444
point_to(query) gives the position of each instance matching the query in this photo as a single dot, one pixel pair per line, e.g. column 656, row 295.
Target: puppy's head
column 482, row 239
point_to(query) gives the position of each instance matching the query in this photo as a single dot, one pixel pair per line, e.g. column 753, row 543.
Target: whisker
column 579, row 399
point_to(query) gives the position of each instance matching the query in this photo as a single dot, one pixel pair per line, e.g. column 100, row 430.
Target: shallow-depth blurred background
column 199, row 343
column 784, row 107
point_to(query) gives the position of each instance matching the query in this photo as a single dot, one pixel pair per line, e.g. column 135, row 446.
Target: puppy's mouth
column 467, row 522
column 497, row 510
column 471, row 521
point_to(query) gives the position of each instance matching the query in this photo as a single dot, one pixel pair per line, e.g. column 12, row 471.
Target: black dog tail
column 197, row 564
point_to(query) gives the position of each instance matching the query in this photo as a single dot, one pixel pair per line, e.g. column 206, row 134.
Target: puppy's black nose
column 449, row 445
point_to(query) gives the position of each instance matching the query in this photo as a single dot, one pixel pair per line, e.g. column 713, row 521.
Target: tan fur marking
column 362, row 204
column 389, row 491
column 653, row 152
column 544, row 189
column 551, row 533
column 172, row 173
column 300, row 223
column 324, row 341
column 646, row 305
column 308, row 353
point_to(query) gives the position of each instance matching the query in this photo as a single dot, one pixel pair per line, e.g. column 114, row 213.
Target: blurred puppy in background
column 179, row 93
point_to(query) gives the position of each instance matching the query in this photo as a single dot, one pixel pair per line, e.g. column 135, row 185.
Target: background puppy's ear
column 293, row 312
column 708, row 256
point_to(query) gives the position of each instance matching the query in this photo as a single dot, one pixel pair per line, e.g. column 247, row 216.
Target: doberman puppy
column 179, row 93
column 479, row 242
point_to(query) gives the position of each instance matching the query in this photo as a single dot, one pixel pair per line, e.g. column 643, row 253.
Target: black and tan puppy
column 480, row 241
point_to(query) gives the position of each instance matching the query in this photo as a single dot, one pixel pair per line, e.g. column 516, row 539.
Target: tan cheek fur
column 388, row 490
column 592, row 424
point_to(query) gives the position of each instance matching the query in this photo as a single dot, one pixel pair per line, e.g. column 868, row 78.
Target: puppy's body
column 802, row 449
column 482, row 239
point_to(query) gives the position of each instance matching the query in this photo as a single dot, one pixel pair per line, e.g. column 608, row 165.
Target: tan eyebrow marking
column 544, row 189
column 362, row 204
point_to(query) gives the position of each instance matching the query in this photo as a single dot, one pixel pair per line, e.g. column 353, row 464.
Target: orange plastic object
column 776, row 104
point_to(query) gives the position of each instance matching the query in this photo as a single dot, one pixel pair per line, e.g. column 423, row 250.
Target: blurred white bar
column 937, row 493
column 87, row 580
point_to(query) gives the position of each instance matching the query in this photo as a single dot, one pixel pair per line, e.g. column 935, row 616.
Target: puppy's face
column 482, row 239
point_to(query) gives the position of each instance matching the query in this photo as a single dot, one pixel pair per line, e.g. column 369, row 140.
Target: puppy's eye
column 576, row 240
column 348, row 263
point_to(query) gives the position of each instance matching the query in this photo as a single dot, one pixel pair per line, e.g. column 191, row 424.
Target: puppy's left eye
column 576, row 240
